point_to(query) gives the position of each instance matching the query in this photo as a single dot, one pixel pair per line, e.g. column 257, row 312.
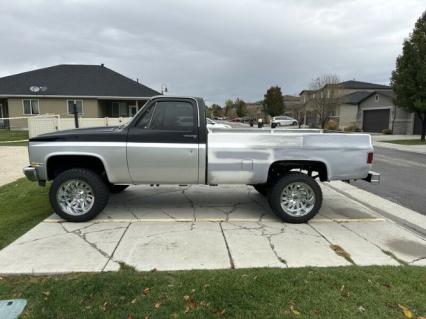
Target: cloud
column 215, row 49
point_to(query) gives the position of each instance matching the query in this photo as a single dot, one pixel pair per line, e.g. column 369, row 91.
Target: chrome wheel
column 75, row 197
column 297, row 199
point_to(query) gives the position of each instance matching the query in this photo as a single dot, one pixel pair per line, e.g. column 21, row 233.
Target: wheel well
column 282, row 167
column 57, row 164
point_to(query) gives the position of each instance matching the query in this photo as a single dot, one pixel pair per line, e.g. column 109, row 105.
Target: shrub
column 387, row 131
column 331, row 125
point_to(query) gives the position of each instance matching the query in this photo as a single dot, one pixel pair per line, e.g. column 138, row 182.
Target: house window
column 31, row 107
column 377, row 97
column 79, row 103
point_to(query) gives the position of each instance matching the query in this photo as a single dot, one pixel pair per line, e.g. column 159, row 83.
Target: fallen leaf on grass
column 46, row 294
column 294, row 310
column 133, row 301
column 407, row 312
column 157, row 305
column 130, row 316
column 361, row 309
column 104, row 306
column 146, row 291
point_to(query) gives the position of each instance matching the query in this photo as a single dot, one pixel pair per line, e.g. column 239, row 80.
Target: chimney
column 102, row 65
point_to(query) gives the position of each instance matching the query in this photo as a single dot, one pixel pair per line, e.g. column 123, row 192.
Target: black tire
column 261, row 188
column 97, row 184
column 115, row 189
column 280, row 184
column 294, row 123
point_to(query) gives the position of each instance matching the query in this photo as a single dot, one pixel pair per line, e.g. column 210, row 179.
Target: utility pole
column 75, row 111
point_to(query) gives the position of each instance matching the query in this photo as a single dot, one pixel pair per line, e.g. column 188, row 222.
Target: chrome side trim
column 163, row 145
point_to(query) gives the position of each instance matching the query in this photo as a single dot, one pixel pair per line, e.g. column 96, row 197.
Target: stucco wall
column 53, row 106
column 49, row 106
column 347, row 114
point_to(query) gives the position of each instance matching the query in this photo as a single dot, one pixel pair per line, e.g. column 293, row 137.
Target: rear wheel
column 295, row 198
column 78, row 195
column 115, row 189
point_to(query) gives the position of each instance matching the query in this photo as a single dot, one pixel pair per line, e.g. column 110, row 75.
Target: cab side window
column 169, row 116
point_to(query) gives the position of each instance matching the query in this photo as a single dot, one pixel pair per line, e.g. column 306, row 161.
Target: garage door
column 375, row 120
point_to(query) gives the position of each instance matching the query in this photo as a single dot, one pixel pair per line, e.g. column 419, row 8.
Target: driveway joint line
column 231, row 260
column 115, row 248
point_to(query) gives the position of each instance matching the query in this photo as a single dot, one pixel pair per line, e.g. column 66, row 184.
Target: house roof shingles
column 74, row 80
column 358, row 97
column 358, row 85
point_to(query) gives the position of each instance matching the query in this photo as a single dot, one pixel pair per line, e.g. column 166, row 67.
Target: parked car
column 213, row 124
column 158, row 146
column 284, row 121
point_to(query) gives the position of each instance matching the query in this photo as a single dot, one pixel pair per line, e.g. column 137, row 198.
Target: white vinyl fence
column 45, row 124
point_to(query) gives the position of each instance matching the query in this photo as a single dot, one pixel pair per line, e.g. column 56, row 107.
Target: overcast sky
column 216, row 49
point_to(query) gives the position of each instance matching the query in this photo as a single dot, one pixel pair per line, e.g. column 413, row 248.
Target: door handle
column 194, row 136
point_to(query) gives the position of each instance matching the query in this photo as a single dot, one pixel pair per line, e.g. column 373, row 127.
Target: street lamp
column 163, row 88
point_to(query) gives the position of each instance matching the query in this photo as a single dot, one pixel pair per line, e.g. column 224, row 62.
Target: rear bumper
column 31, row 173
column 373, row 177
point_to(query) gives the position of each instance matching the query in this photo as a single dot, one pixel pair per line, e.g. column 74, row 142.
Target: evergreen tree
column 409, row 77
column 273, row 104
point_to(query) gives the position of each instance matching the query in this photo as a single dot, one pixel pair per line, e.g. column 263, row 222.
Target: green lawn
column 407, row 142
column 344, row 292
column 13, row 135
column 25, row 143
column 23, row 205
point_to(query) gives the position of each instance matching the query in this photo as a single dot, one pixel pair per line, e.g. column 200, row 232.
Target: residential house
column 96, row 90
column 367, row 106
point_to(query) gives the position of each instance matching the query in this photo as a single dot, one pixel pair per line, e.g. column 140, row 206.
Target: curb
column 390, row 210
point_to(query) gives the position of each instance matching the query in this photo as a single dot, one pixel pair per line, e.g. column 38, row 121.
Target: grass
column 407, row 142
column 23, row 205
column 343, row 292
column 13, row 135
column 23, row 143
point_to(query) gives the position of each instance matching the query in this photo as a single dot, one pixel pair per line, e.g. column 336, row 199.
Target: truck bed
column 243, row 156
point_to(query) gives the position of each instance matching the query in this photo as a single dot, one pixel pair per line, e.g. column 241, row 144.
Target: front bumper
column 31, row 173
column 373, row 177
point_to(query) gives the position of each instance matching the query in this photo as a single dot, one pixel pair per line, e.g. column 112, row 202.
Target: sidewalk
column 12, row 159
column 380, row 141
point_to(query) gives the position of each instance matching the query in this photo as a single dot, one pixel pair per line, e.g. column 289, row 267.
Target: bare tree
column 326, row 97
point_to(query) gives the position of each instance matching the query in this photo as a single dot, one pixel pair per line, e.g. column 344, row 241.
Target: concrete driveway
column 12, row 159
column 202, row 227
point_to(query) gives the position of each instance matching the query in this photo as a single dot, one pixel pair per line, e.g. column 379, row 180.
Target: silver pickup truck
column 168, row 142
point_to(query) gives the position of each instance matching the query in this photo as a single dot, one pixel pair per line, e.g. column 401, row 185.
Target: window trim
column 377, row 98
column 75, row 100
column 23, row 106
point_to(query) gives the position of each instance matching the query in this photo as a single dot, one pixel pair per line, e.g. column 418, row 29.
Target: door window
column 169, row 116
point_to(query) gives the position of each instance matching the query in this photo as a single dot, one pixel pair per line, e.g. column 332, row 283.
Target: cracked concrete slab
column 182, row 246
column 391, row 238
column 202, row 227
column 361, row 251
column 52, row 248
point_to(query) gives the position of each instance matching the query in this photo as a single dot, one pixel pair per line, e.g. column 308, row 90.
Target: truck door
column 162, row 144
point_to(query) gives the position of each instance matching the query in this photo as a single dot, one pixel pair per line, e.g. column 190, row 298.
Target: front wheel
column 295, row 198
column 78, row 195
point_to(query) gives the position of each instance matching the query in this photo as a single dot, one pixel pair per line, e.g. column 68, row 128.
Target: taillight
column 370, row 157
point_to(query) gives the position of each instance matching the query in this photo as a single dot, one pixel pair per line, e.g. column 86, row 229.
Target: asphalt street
column 403, row 178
